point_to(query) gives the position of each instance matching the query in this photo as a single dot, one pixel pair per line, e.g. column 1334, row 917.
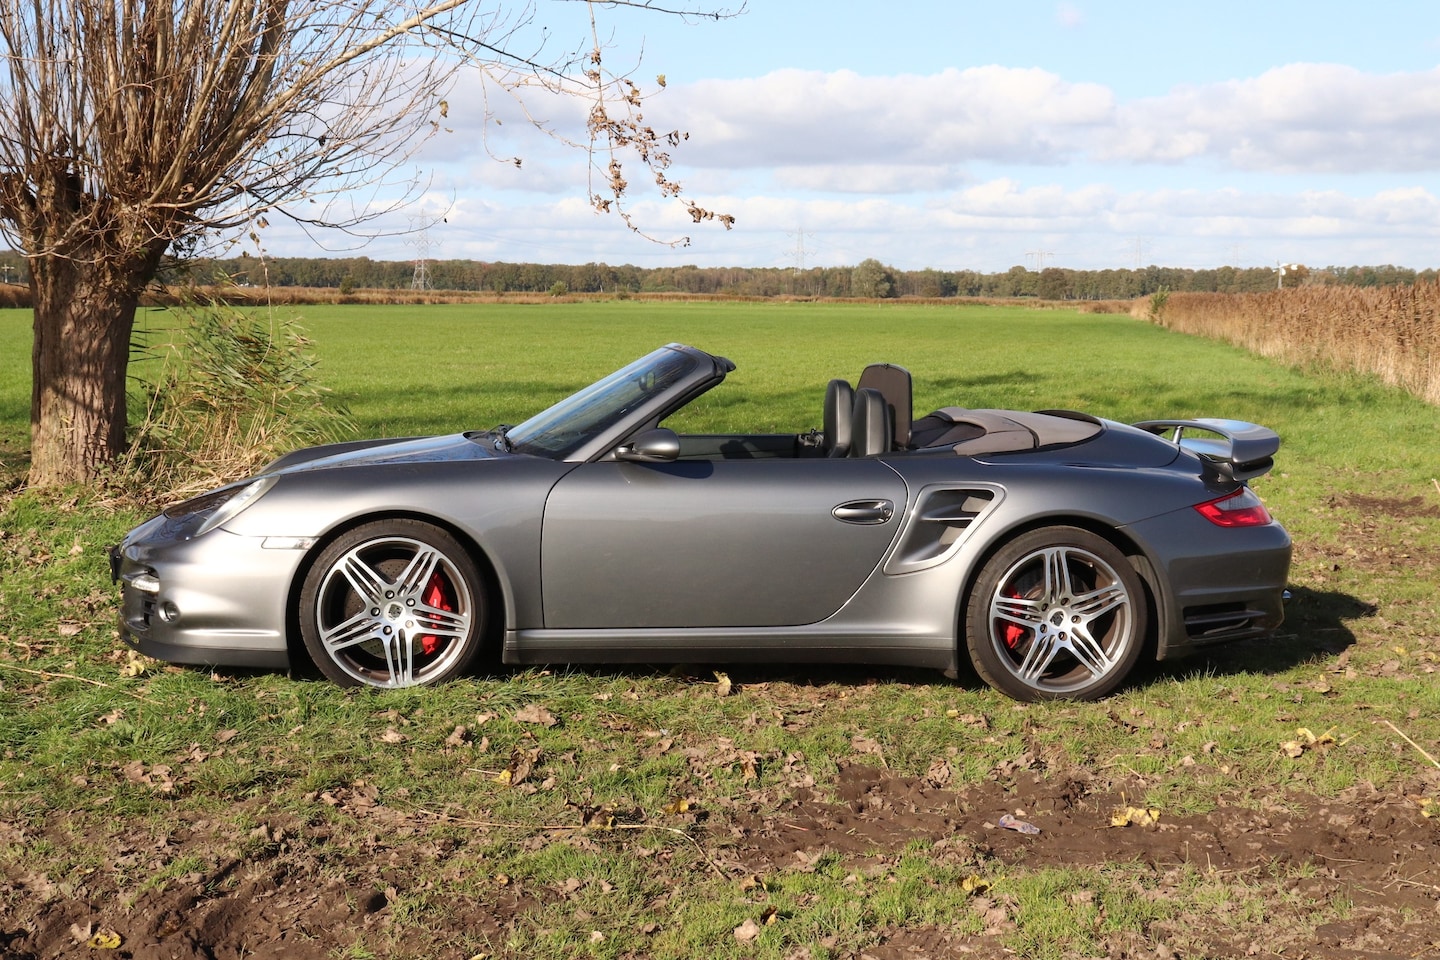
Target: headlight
column 218, row 506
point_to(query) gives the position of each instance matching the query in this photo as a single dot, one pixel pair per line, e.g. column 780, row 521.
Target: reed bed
column 1389, row 332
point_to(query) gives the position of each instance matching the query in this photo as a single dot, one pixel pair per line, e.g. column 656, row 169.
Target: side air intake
column 939, row 524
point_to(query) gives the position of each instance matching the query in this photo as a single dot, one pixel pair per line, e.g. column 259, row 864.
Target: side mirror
column 660, row 445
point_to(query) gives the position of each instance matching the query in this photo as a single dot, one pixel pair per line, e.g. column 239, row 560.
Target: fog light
column 146, row 583
column 169, row 612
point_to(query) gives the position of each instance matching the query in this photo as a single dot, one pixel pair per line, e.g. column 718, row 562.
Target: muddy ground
column 1375, row 850
column 1372, row 852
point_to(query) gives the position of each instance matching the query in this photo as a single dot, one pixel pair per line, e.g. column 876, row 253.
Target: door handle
column 864, row 511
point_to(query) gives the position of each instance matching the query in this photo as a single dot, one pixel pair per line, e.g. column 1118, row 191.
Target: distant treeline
column 870, row 278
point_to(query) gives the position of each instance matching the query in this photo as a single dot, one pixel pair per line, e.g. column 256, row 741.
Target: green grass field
column 113, row 771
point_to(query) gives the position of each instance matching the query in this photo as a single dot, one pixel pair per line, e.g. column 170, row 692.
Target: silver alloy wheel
column 394, row 612
column 1061, row 620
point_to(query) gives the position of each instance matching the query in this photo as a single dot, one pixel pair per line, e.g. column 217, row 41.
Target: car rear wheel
column 395, row 603
column 1057, row 613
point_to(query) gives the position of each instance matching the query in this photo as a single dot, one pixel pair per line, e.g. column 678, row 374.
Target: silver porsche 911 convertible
column 1052, row 550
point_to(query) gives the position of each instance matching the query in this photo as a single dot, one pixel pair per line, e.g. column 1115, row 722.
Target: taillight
column 1239, row 509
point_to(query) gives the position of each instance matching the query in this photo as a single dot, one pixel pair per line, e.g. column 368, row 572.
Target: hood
column 455, row 446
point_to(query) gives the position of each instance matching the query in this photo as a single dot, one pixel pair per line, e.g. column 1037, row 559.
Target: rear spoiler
column 1246, row 451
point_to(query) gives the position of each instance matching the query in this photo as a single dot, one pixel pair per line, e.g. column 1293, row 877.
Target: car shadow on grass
column 1316, row 630
column 741, row 675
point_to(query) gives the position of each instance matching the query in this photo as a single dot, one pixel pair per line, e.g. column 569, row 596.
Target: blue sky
column 964, row 135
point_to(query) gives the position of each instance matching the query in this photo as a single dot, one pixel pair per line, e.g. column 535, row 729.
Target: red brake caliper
column 434, row 596
column 1013, row 631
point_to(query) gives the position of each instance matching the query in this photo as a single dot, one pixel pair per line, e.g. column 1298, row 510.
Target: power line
column 1139, row 245
column 1040, row 257
column 798, row 254
column 420, row 240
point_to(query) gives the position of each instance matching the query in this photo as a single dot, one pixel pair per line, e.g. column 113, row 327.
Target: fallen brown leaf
column 534, row 713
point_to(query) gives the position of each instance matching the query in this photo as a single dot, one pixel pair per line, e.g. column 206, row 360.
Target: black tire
column 393, row 603
column 1056, row 614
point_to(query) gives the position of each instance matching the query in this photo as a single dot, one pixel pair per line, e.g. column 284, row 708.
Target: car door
column 743, row 543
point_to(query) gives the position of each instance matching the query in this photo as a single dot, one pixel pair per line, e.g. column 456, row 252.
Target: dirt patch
column 1382, row 540
column 302, row 896
column 1374, row 850
column 1395, row 507
column 298, row 897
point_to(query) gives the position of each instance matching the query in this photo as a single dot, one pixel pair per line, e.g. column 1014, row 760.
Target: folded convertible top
column 975, row 432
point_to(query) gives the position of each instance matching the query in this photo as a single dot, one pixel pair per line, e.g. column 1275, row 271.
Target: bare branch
column 135, row 128
column 686, row 12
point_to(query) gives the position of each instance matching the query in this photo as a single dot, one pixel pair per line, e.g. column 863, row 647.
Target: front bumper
column 217, row 600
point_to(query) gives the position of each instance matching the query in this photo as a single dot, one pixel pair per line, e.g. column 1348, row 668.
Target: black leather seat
column 839, row 418
column 872, row 432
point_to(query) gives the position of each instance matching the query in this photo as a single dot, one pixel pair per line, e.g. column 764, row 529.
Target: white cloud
column 1006, row 198
column 870, row 178
column 971, row 168
column 985, row 226
column 809, row 118
column 1301, row 117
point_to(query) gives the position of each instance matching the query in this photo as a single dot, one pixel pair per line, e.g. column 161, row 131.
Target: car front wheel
column 1057, row 613
column 393, row 603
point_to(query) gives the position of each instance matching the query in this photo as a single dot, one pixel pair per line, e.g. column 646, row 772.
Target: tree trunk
column 84, row 316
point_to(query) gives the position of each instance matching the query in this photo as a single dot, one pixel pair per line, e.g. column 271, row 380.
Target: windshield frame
column 591, row 421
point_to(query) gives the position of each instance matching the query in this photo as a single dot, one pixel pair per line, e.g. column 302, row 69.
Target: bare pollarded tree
column 135, row 128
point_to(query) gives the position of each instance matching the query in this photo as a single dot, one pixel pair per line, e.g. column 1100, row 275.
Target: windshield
column 560, row 429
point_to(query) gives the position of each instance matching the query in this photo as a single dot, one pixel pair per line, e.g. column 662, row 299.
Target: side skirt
column 731, row 645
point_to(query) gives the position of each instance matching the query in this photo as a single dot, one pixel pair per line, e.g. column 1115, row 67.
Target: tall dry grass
column 232, row 392
column 1389, row 332
column 14, row 295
